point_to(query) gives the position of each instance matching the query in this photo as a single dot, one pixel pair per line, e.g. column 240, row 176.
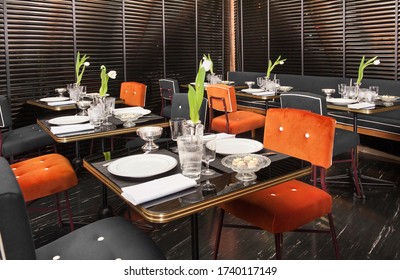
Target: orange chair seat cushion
column 44, row 175
column 239, row 122
column 282, row 208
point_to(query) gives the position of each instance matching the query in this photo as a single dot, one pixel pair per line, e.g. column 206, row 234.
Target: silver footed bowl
column 149, row 134
column 246, row 165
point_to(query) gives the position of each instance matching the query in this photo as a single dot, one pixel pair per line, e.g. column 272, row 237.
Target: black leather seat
column 344, row 142
column 108, row 239
column 20, row 140
column 179, row 109
column 168, row 87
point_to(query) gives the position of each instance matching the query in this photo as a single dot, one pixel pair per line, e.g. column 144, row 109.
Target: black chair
column 179, row 109
column 110, row 238
column 15, row 142
column 345, row 141
column 168, row 87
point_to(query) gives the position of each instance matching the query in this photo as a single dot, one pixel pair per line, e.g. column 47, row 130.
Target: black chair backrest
column 15, row 228
column 305, row 101
column 5, row 112
column 168, row 87
column 180, row 107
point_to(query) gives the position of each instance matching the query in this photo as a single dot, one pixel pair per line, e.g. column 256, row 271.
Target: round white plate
column 131, row 110
column 141, row 166
column 69, row 120
column 341, row 101
column 235, row 146
column 53, row 99
column 252, row 90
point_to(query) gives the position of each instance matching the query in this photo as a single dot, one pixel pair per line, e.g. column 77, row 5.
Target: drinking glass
column 176, row 126
column 260, row 82
column 95, row 113
column 190, row 149
column 109, row 107
column 341, row 90
column 209, row 150
column 375, row 89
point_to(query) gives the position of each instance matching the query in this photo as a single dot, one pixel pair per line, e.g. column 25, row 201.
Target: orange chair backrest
column 133, row 93
column 215, row 94
column 301, row 134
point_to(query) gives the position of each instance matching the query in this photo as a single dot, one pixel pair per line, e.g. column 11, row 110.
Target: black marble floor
column 367, row 228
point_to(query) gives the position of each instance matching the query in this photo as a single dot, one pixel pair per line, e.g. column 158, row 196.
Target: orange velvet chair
column 46, row 175
column 133, row 93
column 222, row 98
column 291, row 205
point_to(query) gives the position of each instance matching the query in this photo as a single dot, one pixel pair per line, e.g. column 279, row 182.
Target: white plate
column 141, row 166
column 69, row 120
column 235, row 146
column 53, row 99
column 341, row 101
column 252, row 90
column 131, row 110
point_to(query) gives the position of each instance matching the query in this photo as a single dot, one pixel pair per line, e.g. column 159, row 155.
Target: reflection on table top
column 44, row 105
column 194, row 200
column 104, row 131
column 379, row 108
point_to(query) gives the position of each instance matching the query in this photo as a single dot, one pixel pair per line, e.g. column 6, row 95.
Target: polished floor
column 367, row 229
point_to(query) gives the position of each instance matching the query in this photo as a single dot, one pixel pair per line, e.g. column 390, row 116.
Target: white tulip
column 376, row 62
column 86, row 63
column 112, row 74
column 207, row 64
column 281, row 62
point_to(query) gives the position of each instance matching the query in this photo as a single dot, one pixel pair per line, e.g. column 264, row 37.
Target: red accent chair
column 133, row 93
column 222, row 98
column 46, row 175
column 291, row 205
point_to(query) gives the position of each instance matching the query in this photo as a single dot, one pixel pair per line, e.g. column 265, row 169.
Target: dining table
column 377, row 107
column 88, row 132
column 206, row 192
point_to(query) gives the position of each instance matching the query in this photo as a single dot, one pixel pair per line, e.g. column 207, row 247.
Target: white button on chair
column 281, row 128
column 101, row 238
column 307, row 135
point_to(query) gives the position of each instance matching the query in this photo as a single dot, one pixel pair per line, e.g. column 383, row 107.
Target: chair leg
column 278, row 245
column 69, row 211
column 323, row 178
column 218, row 235
column 58, row 207
column 360, row 192
column 253, row 134
column 333, row 233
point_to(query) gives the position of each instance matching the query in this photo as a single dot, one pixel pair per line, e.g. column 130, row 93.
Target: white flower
column 87, row 63
column 207, row 63
column 112, row 74
column 377, row 62
column 281, row 62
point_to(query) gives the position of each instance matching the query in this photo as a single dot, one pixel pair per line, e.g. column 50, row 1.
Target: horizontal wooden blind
column 255, row 35
column 40, row 49
column 144, row 46
column 370, row 31
column 323, row 38
column 285, row 34
column 210, row 32
column 99, row 35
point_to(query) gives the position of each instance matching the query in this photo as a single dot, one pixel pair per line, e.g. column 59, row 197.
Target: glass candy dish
column 246, row 165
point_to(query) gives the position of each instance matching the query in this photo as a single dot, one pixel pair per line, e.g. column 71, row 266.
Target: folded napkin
column 220, row 136
column 264, row 93
column 59, row 103
column 60, row 129
column 157, row 188
column 362, row 105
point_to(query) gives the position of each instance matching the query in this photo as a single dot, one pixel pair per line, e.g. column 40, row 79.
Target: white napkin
column 264, row 93
column 221, row 136
column 60, row 129
column 59, row 103
column 362, row 105
column 157, row 188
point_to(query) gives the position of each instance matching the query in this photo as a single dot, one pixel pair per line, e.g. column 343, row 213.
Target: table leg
column 105, row 210
column 195, row 235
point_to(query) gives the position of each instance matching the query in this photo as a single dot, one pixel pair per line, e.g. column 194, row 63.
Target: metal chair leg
column 218, row 235
column 278, row 245
column 333, row 233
